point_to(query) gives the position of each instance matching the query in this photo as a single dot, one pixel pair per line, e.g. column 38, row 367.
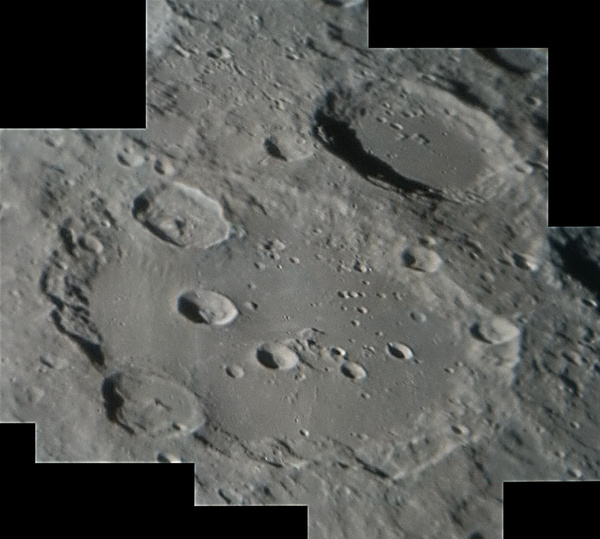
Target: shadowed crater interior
column 189, row 309
column 341, row 140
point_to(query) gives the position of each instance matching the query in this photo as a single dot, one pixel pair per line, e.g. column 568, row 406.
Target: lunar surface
column 322, row 273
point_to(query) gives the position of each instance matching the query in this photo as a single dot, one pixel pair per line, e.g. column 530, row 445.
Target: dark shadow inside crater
column 140, row 205
column 341, row 140
column 187, row 308
column 476, row 333
column 112, row 400
column 408, row 258
column 92, row 350
column 265, row 358
column 524, row 64
column 272, row 149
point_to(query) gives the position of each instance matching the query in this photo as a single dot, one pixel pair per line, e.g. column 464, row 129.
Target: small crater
column 353, row 370
column 422, row 259
column 399, row 350
column 337, row 352
column 461, row 430
column 130, row 159
column 91, row 243
column 207, row 307
column 277, row 355
column 418, row 317
column 235, row 371
column 167, row 458
column 272, row 148
column 526, row 261
column 163, row 166
column 496, row 330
